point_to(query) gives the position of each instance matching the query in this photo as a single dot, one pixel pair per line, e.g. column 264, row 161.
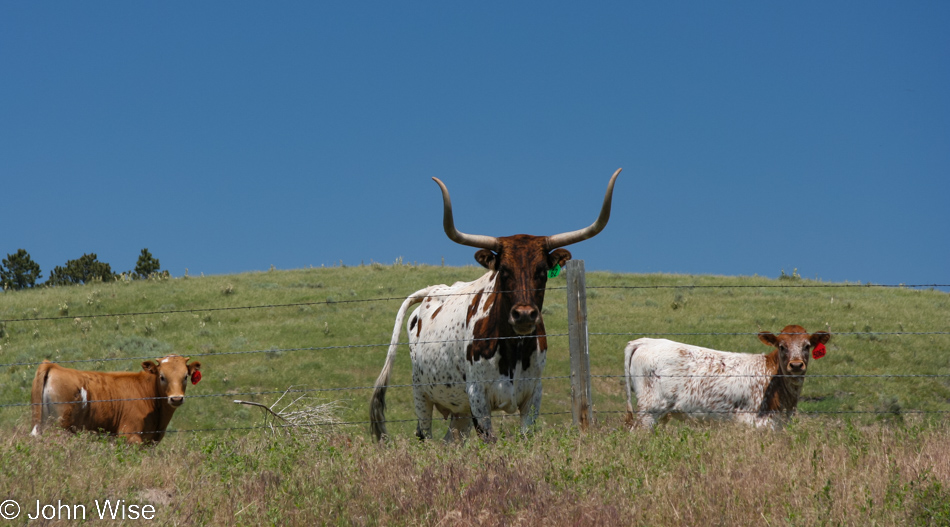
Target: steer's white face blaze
column 171, row 377
column 521, row 265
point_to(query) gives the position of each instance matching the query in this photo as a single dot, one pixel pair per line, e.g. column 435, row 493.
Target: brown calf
column 137, row 406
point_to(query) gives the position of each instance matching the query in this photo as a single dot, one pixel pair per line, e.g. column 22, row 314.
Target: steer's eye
column 162, row 377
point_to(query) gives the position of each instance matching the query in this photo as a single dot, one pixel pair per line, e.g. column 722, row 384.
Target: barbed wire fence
column 582, row 406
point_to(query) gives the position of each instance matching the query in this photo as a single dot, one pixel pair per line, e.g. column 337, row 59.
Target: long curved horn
column 567, row 238
column 448, row 223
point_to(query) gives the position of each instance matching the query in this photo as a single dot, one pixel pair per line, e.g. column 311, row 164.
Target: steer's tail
column 377, row 404
column 38, row 406
column 628, row 352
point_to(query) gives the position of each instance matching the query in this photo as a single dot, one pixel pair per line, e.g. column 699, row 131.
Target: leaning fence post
column 581, row 408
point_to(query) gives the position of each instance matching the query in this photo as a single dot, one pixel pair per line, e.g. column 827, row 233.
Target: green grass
column 885, row 465
column 310, row 338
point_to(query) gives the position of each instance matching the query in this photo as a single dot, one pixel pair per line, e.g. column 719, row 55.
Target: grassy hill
column 326, row 329
column 867, row 458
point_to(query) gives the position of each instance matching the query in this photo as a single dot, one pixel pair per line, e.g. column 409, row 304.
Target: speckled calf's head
column 794, row 346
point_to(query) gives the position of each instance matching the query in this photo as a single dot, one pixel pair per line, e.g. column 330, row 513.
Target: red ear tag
column 196, row 376
column 816, row 353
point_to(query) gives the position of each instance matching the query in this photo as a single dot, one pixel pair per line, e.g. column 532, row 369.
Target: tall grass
column 825, row 472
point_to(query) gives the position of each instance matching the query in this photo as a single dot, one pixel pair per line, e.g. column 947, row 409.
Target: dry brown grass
column 816, row 472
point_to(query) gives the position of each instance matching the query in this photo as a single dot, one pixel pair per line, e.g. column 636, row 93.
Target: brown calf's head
column 794, row 346
column 521, row 262
column 171, row 377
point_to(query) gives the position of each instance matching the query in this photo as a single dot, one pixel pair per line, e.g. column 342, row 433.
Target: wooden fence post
column 581, row 408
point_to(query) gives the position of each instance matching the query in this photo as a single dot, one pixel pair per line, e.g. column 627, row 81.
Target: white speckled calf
column 674, row 379
column 480, row 346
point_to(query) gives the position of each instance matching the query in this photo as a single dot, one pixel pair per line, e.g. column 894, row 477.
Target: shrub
column 19, row 271
column 146, row 265
column 81, row 271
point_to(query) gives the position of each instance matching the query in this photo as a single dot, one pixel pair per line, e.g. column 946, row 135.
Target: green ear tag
column 554, row 271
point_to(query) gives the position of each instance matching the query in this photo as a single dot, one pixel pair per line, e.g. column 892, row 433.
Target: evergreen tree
column 81, row 271
column 19, row 271
column 146, row 265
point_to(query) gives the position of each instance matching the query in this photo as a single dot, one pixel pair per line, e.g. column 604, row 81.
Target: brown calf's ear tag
column 818, row 352
column 195, row 377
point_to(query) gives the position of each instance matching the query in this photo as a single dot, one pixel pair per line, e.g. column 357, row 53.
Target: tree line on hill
column 19, row 271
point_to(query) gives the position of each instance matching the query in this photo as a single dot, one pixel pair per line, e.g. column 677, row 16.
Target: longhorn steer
column 480, row 346
column 676, row 379
column 137, row 406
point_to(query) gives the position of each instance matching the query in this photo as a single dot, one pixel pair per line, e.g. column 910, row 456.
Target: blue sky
column 233, row 136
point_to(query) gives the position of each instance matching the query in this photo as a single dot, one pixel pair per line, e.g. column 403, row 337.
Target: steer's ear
column 768, row 339
column 488, row 259
column 558, row 257
column 819, row 337
column 150, row 366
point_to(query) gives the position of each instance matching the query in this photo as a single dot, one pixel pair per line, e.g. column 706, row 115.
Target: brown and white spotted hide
column 135, row 405
column 680, row 380
column 477, row 347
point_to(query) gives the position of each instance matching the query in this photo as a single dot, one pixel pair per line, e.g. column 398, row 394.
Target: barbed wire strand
column 805, row 412
column 328, row 301
column 815, row 376
column 278, row 350
column 542, row 414
column 489, row 381
column 344, row 423
column 298, row 390
column 766, row 286
column 736, row 333
column 406, row 343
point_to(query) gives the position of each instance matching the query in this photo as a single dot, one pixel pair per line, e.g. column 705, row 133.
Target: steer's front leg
column 132, row 437
column 531, row 408
column 481, row 410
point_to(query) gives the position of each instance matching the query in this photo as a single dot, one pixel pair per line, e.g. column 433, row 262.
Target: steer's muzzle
column 796, row 366
column 176, row 400
column 523, row 318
